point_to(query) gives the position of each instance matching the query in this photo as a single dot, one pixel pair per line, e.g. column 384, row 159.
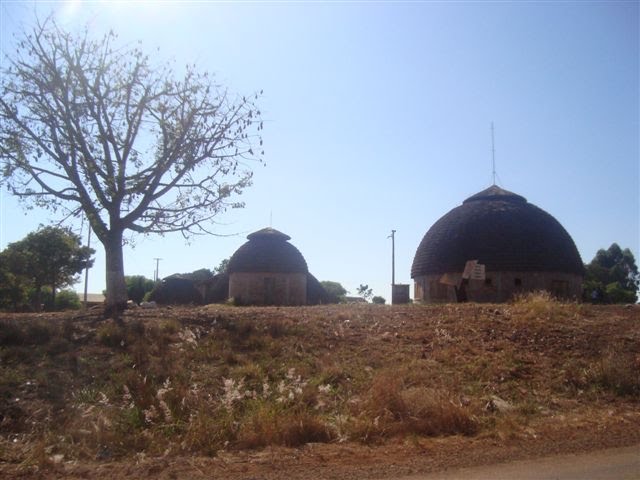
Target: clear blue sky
column 378, row 117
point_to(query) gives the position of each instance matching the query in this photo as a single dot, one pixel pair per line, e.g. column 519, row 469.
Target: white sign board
column 473, row 270
column 477, row 273
column 468, row 268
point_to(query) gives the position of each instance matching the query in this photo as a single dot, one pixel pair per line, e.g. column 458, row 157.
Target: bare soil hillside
column 344, row 391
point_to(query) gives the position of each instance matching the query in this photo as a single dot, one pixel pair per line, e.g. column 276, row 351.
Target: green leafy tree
column 138, row 286
column 13, row 288
column 612, row 276
column 67, row 300
column 335, row 291
column 51, row 256
column 90, row 126
column 365, row 292
column 199, row 276
column 222, row 267
column 378, row 300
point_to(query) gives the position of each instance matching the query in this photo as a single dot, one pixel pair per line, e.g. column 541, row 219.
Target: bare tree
column 89, row 126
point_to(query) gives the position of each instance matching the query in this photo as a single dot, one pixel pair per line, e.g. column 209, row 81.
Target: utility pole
column 393, row 257
column 156, row 274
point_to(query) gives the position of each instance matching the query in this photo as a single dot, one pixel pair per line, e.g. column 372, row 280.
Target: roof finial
column 493, row 155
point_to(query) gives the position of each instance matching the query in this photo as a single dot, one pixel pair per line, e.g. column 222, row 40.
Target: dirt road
column 615, row 463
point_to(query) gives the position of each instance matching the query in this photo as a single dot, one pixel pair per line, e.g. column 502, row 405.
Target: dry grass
column 202, row 380
column 395, row 408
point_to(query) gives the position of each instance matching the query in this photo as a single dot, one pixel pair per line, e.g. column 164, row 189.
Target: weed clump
column 270, row 424
column 396, row 409
column 11, row 333
column 111, row 335
column 619, row 374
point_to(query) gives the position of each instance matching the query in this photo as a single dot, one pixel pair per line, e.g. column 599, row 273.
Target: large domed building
column 493, row 246
column 268, row 270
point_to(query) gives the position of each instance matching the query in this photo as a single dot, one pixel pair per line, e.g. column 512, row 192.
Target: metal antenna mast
column 393, row 256
column 493, row 155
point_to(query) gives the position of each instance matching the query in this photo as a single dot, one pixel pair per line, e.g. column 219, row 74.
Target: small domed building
column 268, row 270
column 493, row 246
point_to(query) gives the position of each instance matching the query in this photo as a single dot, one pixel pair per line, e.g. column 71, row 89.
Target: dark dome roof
column 267, row 251
column 502, row 231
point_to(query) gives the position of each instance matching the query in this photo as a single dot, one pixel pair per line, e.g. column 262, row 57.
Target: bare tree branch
column 102, row 129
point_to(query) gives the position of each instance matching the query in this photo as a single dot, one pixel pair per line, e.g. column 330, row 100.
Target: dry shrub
column 540, row 298
column 432, row 413
column 111, row 335
column 393, row 409
column 385, row 399
column 618, row 373
column 11, row 333
column 270, row 425
column 536, row 305
column 209, row 430
column 38, row 455
column 101, row 431
column 30, row 333
column 541, row 304
column 503, row 427
column 170, row 326
column 39, row 333
column 576, row 375
column 276, row 328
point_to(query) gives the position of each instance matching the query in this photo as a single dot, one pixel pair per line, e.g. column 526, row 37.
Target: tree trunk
column 116, row 300
column 37, row 301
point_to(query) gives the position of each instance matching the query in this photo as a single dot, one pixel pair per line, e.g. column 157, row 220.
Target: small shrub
column 618, row 373
column 576, row 375
column 378, row 300
column 393, row 409
column 11, row 333
column 67, row 300
column 111, row 335
column 209, row 429
column 87, row 395
column 38, row 333
column 170, row 326
column 136, row 327
column 276, row 329
column 131, row 419
column 541, row 305
column 385, row 398
column 57, row 346
column 433, row 413
column 232, row 302
column 536, row 303
column 271, row 425
column 68, row 329
column 243, row 329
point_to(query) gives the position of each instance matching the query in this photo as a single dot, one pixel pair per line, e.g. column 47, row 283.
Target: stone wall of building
column 497, row 286
column 268, row 288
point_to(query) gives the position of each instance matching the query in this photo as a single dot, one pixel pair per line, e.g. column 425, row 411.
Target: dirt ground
column 522, row 353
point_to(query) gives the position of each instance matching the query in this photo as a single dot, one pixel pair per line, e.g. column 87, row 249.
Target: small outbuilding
column 493, row 246
column 268, row 270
